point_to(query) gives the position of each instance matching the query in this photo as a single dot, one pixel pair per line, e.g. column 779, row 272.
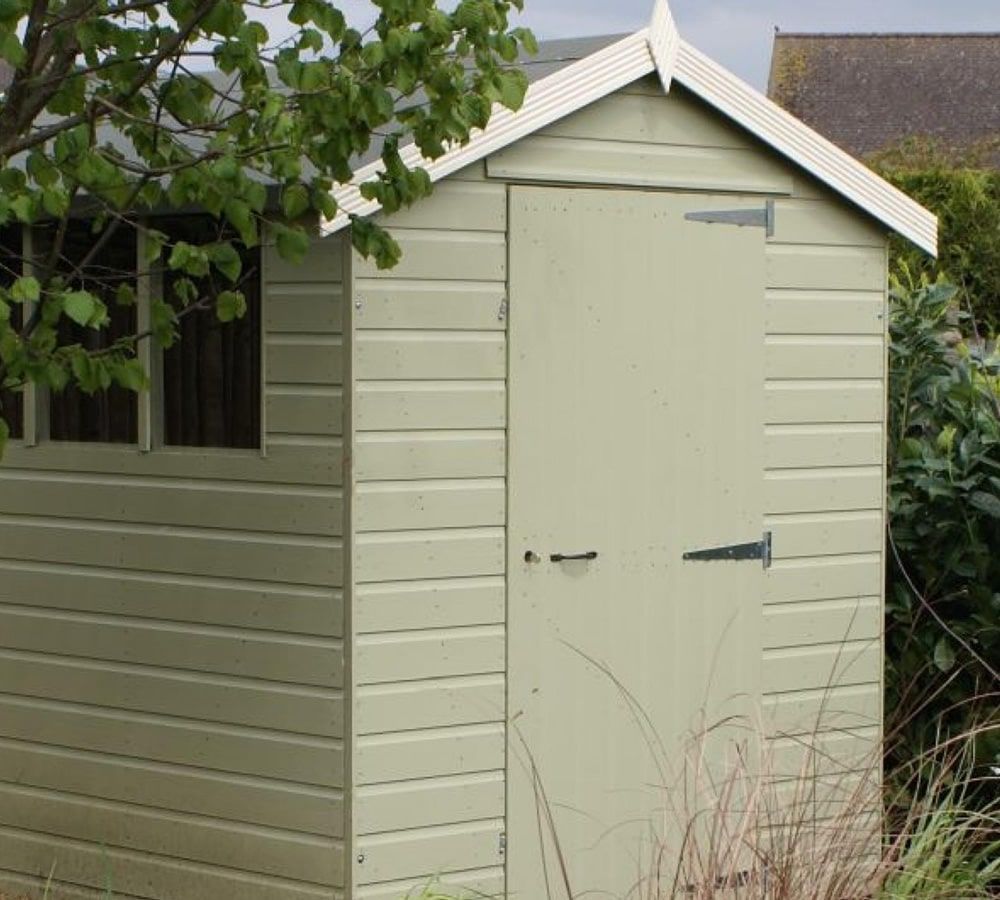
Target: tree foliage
column 965, row 195
column 943, row 636
column 121, row 108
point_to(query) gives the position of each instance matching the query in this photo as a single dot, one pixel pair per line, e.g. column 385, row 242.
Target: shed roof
column 868, row 92
column 570, row 75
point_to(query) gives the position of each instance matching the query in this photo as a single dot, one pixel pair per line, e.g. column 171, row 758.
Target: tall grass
column 827, row 832
column 742, row 829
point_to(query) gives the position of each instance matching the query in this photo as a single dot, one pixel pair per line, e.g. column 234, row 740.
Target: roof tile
column 869, row 92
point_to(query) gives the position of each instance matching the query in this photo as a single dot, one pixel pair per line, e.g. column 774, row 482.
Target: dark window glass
column 11, row 402
column 211, row 376
column 107, row 416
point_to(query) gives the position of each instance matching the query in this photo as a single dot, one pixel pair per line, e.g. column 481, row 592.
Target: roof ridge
column 644, row 53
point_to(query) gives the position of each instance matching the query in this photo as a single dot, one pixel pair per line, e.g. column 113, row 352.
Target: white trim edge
column 806, row 148
column 547, row 101
column 664, row 42
column 606, row 71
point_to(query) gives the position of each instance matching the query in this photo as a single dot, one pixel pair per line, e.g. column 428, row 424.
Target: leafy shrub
column 965, row 195
column 943, row 636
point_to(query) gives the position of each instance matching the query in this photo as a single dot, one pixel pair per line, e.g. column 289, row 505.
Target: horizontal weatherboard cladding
column 428, row 522
column 824, row 491
column 430, row 462
column 171, row 643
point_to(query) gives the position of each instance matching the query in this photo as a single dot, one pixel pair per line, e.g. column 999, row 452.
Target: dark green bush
column 943, row 629
column 966, row 197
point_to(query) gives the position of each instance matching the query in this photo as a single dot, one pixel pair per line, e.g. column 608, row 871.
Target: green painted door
column 636, row 433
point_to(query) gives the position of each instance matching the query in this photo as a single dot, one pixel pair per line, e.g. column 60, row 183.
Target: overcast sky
column 738, row 33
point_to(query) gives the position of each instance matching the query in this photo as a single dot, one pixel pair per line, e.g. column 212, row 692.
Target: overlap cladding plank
column 232, row 602
column 141, row 874
column 429, row 511
column 171, row 501
column 171, row 661
column 825, row 485
column 175, row 759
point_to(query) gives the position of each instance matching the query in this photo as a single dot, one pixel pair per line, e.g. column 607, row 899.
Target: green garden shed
column 641, row 319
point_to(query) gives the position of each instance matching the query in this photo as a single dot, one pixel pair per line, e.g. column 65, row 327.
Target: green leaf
column 130, row 374
column 125, row 294
column 292, row 243
column 294, row 201
column 26, row 290
column 187, row 258
column 55, row 201
column 80, row 306
column 226, row 259
column 24, row 208
column 41, row 169
column 226, row 168
column 154, row 242
column 90, row 372
column 185, row 291
column 513, row 86
column 527, row 39
column 10, row 9
column 11, row 49
column 163, row 322
column 224, row 18
column 944, row 655
column 230, row 305
column 988, row 503
column 313, row 77
column 241, row 217
column 56, row 376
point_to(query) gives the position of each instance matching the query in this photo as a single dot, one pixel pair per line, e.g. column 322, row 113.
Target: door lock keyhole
column 531, row 557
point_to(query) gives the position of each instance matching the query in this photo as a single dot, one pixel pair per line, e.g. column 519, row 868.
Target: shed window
column 211, row 376
column 207, row 390
column 12, row 402
column 108, row 416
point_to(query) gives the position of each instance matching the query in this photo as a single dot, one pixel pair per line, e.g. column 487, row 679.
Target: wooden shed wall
column 430, row 361
column 429, row 501
column 171, row 653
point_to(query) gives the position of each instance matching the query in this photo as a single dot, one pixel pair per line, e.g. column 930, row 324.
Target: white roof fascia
column 627, row 60
column 548, row 100
column 664, row 42
column 805, row 147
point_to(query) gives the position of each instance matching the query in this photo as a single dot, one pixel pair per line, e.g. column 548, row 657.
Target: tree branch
column 14, row 146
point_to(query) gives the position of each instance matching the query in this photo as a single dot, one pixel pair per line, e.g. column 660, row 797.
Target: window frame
column 150, row 404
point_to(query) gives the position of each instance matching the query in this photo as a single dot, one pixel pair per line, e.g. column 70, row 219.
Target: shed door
column 636, row 432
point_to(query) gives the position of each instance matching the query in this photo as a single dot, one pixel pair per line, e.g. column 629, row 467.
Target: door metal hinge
column 743, row 218
column 736, row 552
column 502, row 311
column 502, row 843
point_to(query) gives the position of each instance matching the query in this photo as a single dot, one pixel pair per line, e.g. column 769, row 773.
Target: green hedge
column 966, row 198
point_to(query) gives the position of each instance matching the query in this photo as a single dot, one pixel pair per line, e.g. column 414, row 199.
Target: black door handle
column 562, row 557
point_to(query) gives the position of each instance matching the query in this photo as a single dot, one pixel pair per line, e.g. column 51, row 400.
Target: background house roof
column 867, row 92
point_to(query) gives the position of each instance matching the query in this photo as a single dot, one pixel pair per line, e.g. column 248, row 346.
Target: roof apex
column 659, row 48
column 664, row 42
